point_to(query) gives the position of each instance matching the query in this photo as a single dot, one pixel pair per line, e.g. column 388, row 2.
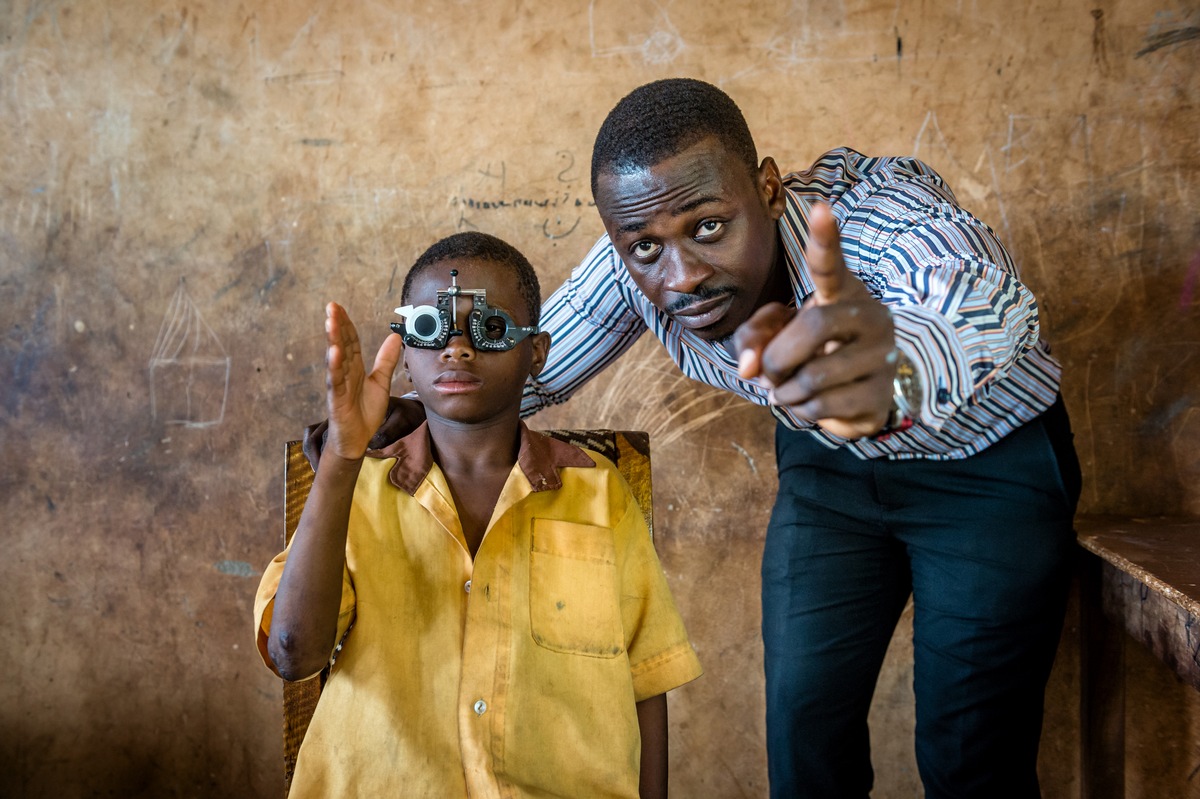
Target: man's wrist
column 897, row 420
column 907, row 391
column 907, row 395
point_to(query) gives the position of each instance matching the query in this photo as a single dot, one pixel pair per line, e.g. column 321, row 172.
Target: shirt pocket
column 574, row 606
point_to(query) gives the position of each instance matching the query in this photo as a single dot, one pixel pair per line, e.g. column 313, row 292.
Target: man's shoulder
column 846, row 178
column 841, row 168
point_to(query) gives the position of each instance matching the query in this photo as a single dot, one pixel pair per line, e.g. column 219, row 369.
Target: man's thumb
column 826, row 264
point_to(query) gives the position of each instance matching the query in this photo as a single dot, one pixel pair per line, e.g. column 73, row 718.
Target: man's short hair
column 664, row 118
column 477, row 246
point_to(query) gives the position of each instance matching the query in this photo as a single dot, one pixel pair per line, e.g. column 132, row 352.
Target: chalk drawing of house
column 189, row 370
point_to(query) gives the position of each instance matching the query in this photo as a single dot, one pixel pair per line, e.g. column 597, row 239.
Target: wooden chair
column 629, row 450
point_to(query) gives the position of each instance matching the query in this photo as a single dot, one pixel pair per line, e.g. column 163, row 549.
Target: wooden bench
column 1140, row 576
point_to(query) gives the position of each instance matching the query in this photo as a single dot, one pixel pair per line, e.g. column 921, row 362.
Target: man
column 922, row 445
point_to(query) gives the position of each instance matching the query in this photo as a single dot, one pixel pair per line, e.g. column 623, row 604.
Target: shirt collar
column 793, row 234
column 540, row 457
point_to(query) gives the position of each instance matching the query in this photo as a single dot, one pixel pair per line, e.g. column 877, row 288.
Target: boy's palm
column 357, row 401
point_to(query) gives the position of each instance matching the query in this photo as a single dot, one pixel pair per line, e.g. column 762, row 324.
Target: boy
column 513, row 633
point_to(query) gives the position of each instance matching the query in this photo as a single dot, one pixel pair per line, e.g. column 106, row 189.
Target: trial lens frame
column 430, row 327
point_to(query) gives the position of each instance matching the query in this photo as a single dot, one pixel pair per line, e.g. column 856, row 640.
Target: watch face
column 907, row 387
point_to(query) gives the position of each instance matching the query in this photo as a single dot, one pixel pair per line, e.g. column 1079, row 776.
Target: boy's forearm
column 652, row 720
column 305, row 615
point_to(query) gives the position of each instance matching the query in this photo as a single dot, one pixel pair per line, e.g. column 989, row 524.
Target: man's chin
column 716, row 333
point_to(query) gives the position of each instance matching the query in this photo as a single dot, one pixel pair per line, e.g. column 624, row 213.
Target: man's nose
column 685, row 272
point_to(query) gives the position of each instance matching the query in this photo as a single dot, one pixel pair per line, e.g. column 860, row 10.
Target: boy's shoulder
column 621, row 460
column 609, row 444
column 563, row 448
column 589, row 449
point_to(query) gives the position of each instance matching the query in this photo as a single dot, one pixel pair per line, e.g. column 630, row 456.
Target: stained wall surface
column 184, row 184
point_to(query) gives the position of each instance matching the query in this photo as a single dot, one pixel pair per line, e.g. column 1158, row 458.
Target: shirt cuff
column 665, row 671
column 928, row 340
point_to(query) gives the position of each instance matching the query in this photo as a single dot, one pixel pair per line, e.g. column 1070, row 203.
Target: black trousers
column 983, row 545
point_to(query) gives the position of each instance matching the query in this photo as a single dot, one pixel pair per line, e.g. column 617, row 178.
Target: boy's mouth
column 456, row 382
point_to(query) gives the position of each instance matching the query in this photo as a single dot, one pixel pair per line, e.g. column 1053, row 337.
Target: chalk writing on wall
column 566, row 207
column 645, row 29
column 189, row 369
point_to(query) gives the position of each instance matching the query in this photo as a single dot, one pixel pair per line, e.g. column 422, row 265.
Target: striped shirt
column 961, row 314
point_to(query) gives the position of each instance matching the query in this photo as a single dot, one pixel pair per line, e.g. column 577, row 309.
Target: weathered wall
column 182, row 185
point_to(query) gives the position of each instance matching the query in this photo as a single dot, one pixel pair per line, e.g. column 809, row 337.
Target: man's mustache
column 700, row 295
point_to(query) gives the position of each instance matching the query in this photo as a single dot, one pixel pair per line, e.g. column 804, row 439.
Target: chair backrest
column 629, row 450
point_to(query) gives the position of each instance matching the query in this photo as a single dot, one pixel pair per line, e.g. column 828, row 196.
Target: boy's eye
column 494, row 328
column 709, row 228
column 645, row 250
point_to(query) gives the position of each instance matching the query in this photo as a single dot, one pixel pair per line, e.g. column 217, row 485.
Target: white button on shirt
column 480, row 707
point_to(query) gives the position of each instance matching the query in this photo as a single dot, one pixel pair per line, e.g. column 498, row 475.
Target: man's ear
column 770, row 188
column 541, row 349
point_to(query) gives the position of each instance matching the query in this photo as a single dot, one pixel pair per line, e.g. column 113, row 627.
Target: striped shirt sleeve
column 591, row 323
column 961, row 314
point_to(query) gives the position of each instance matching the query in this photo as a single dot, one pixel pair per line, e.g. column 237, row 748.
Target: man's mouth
column 704, row 313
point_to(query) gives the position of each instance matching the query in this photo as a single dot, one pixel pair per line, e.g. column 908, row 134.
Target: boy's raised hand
column 357, row 401
column 832, row 360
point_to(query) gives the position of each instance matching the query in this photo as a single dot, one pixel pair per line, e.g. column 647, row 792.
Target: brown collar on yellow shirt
column 540, row 457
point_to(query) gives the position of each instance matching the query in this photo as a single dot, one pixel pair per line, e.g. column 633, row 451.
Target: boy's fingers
column 334, row 317
column 344, row 355
column 335, row 355
column 753, row 336
column 386, row 360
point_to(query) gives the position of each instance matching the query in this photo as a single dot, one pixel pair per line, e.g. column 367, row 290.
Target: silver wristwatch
column 907, row 394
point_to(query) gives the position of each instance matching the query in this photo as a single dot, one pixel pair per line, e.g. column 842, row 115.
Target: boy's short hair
column 481, row 247
column 664, row 118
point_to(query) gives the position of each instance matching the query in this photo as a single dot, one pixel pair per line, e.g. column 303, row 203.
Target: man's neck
column 779, row 287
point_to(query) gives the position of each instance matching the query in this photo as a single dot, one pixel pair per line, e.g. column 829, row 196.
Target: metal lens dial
column 424, row 326
column 490, row 329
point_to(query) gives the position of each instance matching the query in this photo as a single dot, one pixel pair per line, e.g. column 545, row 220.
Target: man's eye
column 709, row 228
column 645, row 250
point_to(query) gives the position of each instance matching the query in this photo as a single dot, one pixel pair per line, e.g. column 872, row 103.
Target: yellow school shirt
column 513, row 675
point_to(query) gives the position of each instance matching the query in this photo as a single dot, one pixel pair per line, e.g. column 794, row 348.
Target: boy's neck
column 476, row 461
column 474, row 448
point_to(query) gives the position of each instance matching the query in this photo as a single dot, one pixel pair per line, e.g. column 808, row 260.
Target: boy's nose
column 458, row 347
